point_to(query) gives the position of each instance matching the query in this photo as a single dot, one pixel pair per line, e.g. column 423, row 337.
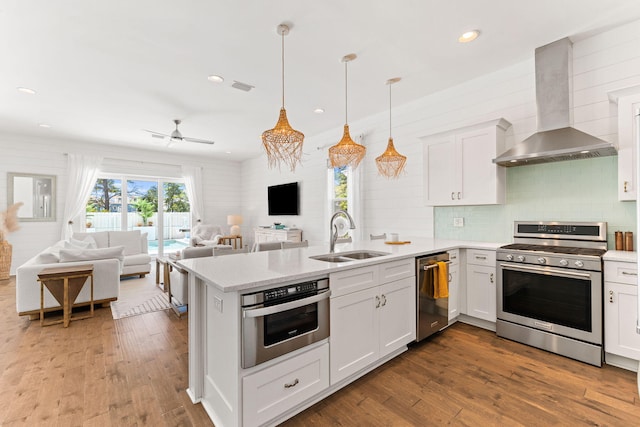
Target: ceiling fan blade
column 201, row 141
column 156, row 134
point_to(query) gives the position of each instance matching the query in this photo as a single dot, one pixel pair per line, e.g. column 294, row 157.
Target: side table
column 226, row 240
column 169, row 265
column 65, row 283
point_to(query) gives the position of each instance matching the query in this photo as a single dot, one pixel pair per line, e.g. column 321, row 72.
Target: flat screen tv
column 283, row 199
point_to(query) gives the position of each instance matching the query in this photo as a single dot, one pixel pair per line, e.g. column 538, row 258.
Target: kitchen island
column 235, row 396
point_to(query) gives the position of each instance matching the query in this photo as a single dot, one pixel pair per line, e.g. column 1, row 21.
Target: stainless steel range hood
column 555, row 140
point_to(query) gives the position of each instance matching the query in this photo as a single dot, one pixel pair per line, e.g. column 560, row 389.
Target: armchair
column 206, row 235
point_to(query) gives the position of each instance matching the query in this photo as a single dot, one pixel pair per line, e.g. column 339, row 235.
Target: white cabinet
column 628, row 101
column 454, row 285
column 620, row 312
column 262, row 235
column 270, row 392
column 458, row 167
column 373, row 314
column 481, row 284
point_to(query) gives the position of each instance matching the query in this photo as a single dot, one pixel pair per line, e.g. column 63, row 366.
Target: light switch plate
column 458, row 222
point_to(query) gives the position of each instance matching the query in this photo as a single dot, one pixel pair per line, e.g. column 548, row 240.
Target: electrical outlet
column 217, row 303
column 458, row 222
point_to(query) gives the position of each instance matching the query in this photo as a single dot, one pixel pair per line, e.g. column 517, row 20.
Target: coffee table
column 65, row 283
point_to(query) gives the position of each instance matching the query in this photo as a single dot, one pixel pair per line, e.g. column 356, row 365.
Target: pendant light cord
column 389, row 110
column 282, row 69
column 346, row 119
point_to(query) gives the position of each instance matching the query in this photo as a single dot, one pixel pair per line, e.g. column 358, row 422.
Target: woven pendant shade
column 346, row 152
column 283, row 144
column 391, row 163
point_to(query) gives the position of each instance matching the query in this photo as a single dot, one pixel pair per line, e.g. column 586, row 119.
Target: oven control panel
column 591, row 263
column 286, row 291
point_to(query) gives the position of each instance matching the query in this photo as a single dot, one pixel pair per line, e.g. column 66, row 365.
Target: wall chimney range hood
column 555, row 140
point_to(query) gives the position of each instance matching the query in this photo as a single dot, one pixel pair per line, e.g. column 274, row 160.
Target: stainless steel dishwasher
column 432, row 314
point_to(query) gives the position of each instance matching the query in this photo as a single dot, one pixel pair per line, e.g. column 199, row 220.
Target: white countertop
column 231, row 273
column 624, row 256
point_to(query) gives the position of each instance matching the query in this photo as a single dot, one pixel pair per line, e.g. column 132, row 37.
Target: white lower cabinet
column 481, row 284
column 271, row 392
column 454, row 285
column 368, row 324
column 621, row 311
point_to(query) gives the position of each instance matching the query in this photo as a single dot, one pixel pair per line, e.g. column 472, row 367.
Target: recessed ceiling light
column 227, row 152
column 319, row 110
column 215, row 79
column 26, row 90
column 44, row 125
column 469, row 36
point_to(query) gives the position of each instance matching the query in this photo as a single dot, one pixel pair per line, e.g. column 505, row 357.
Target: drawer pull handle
column 384, row 300
column 450, row 277
column 453, row 195
column 480, row 257
column 293, row 384
column 491, row 277
column 610, row 296
column 625, row 186
column 627, row 273
column 458, row 195
column 377, row 301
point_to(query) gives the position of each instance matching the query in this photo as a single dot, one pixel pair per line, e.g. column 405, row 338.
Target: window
column 339, row 181
column 134, row 206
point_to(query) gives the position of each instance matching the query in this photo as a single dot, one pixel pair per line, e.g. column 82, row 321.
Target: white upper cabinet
column 458, row 167
column 628, row 101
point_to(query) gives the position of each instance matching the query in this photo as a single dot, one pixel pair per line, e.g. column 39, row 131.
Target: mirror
column 37, row 192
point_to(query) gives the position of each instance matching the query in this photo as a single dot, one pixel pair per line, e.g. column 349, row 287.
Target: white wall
column 221, row 181
column 602, row 63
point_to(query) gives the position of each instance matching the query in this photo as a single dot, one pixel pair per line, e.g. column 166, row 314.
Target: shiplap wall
column 602, row 63
column 221, row 182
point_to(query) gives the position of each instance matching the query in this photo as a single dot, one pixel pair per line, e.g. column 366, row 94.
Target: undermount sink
column 348, row 256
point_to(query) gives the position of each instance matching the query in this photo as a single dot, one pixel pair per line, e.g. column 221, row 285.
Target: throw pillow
column 131, row 240
column 72, row 255
column 86, row 243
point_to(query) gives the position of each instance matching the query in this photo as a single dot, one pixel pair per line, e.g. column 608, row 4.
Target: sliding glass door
column 128, row 203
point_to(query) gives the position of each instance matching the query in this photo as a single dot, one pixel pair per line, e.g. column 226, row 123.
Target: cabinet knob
column 610, row 296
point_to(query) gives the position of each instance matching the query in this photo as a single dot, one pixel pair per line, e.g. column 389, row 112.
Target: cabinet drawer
column 396, row 270
column 621, row 272
column 345, row 282
column 271, row 392
column 481, row 257
column 454, row 256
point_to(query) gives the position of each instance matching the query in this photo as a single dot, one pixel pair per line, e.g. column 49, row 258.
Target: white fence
column 173, row 223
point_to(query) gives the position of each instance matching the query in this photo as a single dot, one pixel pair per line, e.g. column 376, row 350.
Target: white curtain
column 193, row 182
column 82, row 172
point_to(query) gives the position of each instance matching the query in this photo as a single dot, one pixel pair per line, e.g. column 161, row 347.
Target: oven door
column 269, row 331
column 561, row 301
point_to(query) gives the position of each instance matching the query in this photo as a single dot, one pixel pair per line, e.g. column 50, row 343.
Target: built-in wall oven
column 280, row 320
column 550, row 288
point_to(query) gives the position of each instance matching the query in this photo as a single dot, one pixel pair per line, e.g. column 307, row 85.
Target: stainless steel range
column 550, row 288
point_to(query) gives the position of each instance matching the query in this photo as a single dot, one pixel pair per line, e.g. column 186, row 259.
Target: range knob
column 509, row 257
column 542, row 260
column 564, row 262
column 521, row 258
column 579, row 264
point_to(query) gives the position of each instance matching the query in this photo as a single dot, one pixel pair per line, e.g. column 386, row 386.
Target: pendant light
column 391, row 163
column 283, row 144
column 346, row 152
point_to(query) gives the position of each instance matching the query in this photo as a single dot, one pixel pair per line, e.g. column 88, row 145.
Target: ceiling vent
column 242, row 86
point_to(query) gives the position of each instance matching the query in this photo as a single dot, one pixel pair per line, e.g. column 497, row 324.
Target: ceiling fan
column 176, row 135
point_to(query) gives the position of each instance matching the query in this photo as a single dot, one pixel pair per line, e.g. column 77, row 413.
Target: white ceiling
column 105, row 70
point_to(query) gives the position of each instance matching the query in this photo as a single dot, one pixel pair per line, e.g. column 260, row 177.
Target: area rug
column 139, row 296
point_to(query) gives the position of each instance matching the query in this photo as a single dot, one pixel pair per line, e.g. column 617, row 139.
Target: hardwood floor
column 133, row 371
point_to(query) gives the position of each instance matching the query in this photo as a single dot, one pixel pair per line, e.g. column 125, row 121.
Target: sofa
column 137, row 261
column 113, row 254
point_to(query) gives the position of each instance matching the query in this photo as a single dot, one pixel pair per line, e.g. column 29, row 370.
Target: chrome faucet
column 334, row 228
